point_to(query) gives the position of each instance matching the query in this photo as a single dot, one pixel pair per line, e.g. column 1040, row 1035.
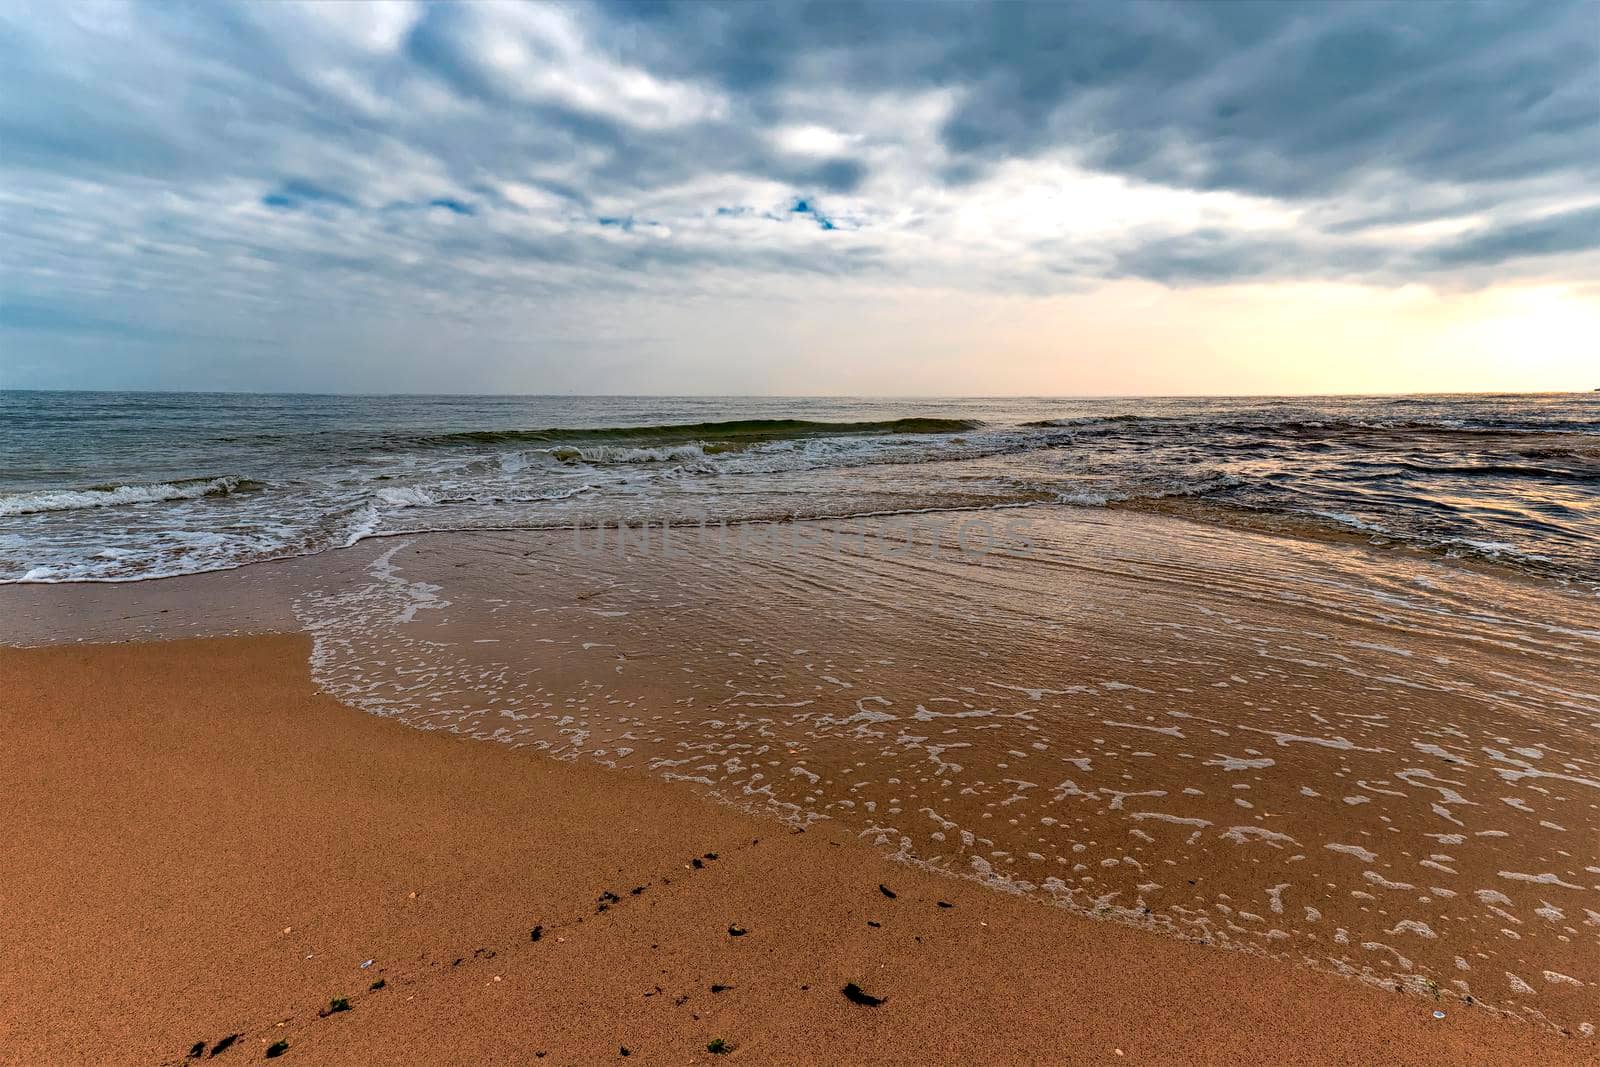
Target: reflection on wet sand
column 1378, row 765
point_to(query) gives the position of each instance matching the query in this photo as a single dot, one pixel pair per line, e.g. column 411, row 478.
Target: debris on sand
column 719, row 1047
column 276, row 1049
column 335, row 1006
column 224, row 1044
column 856, row 995
column 737, row 931
column 886, row 891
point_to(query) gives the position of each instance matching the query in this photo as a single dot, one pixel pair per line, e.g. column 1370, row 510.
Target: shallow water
column 115, row 487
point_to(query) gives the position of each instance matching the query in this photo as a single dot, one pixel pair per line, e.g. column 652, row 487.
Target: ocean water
column 128, row 486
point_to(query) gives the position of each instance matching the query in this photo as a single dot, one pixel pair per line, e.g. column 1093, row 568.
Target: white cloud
column 813, row 140
column 540, row 52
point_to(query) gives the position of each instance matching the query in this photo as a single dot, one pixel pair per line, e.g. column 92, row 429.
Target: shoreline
column 1303, row 527
column 248, row 842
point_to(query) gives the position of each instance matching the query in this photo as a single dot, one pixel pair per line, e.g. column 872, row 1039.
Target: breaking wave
column 107, row 496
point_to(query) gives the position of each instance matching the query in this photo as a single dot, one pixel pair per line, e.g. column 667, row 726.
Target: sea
column 116, row 487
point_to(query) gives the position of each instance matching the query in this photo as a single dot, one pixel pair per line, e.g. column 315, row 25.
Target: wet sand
column 203, row 844
column 1360, row 760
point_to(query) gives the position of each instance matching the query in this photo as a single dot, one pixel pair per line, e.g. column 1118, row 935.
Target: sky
column 817, row 198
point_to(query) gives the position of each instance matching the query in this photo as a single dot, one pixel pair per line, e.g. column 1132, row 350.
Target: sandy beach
column 204, row 846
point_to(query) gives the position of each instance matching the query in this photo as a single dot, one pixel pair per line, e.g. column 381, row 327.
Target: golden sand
column 201, row 844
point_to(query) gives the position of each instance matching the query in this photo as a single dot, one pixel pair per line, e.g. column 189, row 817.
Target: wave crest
column 691, row 453
column 119, row 495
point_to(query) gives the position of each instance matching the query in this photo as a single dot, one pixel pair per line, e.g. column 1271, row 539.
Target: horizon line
column 922, row 397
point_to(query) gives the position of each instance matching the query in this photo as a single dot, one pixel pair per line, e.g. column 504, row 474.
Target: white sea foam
column 115, row 496
column 1364, row 855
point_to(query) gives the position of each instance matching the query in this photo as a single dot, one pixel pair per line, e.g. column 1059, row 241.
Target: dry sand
column 199, row 844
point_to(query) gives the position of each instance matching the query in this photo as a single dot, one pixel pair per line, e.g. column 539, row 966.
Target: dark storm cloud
column 1273, row 98
column 1571, row 231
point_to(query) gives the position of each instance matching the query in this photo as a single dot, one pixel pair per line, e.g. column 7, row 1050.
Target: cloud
column 1277, row 98
column 1551, row 235
column 221, row 169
